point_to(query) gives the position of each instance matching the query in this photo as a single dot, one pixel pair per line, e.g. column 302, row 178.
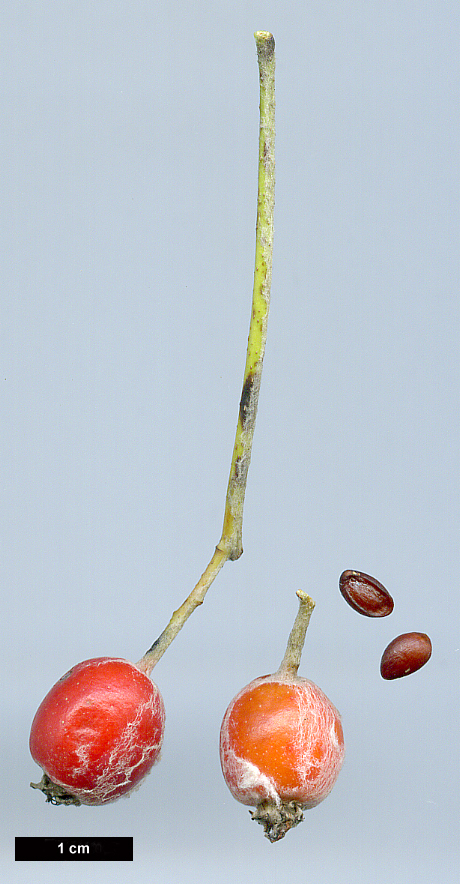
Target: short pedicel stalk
column 291, row 660
column 230, row 543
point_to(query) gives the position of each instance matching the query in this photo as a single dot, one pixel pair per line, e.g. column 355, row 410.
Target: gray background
column 129, row 167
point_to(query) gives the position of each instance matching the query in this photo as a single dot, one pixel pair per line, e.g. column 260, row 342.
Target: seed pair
column 407, row 652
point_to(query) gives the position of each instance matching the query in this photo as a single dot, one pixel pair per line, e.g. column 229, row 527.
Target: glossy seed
column 405, row 654
column 365, row 594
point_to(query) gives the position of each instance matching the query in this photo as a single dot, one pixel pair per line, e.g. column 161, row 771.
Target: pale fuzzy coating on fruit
column 99, row 746
column 127, row 764
column 314, row 742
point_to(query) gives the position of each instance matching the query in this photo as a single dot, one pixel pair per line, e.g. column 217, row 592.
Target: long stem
column 291, row 660
column 233, row 518
column 230, row 544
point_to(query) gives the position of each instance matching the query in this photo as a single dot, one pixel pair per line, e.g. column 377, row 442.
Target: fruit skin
column 281, row 743
column 365, row 594
column 98, row 732
column 405, row 654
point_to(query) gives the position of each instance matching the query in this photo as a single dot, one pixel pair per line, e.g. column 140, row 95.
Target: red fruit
column 98, row 732
column 281, row 739
column 281, row 744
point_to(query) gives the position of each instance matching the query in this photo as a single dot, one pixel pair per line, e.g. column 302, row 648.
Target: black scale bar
column 73, row 849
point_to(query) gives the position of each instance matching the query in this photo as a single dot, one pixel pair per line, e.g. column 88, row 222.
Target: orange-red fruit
column 405, row 654
column 281, row 739
column 98, row 732
column 365, row 594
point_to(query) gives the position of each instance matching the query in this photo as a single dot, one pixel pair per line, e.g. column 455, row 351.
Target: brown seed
column 405, row 654
column 365, row 594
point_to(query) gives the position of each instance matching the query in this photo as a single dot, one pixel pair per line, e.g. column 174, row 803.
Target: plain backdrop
column 129, row 180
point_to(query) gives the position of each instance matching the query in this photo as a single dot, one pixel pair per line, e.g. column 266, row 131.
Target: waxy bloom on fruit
column 97, row 733
column 281, row 741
